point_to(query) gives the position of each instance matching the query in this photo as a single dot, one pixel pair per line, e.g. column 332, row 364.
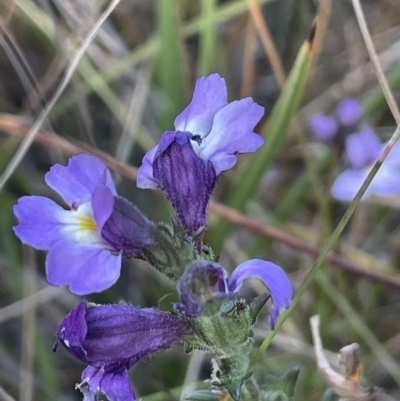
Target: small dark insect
column 55, row 346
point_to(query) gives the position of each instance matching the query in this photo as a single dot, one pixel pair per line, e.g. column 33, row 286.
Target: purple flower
column 324, row 127
column 348, row 113
column 87, row 242
column 206, row 280
column 208, row 135
column 111, row 339
column 363, row 149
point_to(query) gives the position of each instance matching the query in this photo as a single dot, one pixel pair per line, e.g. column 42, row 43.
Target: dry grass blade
column 346, row 387
column 7, row 18
column 32, row 301
column 249, row 56
column 375, row 61
column 266, row 39
column 324, row 14
column 28, row 328
column 30, row 137
column 4, row 396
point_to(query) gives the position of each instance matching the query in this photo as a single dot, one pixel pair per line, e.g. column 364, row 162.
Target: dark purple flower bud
column 349, row 111
column 127, row 229
column 204, row 280
column 186, row 179
column 111, row 338
column 200, row 282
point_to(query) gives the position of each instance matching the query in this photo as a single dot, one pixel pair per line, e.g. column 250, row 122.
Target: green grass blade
column 319, row 263
column 276, row 129
column 170, row 71
column 275, row 135
column 376, row 100
column 354, row 319
column 150, row 49
column 208, row 38
column 301, row 188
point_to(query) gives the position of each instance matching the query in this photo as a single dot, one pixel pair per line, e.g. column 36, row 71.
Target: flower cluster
column 363, row 148
column 326, row 128
column 87, row 241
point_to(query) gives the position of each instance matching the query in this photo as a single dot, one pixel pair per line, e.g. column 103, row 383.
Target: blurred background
column 135, row 77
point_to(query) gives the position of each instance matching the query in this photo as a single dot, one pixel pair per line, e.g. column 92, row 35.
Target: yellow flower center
column 85, row 227
column 86, row 223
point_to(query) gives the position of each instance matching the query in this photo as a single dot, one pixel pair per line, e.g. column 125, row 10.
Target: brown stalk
column 266, row 40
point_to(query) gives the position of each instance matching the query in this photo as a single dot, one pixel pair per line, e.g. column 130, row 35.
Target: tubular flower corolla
column 208, row 135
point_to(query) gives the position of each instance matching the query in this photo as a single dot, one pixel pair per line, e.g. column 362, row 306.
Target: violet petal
column 77, row 181
column 86, row 268
column 323, row 127
column 363, row 148
column 117, row 335
column 349, row 111
column 187, row 181
column 348, row 183
column 41, row 221
column 386, row 181
column 145, row 177
column 232, row 133
column 114, row 385
column 272, row 276
column 200, row 282
column 393, row 157
column 102, row 204
column 209, row 96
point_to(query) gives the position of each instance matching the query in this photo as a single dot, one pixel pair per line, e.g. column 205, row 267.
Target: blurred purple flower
column 208, row 135
column 363, row 149
column 348, row 113
column 323, row 127
column 111, row 339
column 205, row 280
column 86, row 243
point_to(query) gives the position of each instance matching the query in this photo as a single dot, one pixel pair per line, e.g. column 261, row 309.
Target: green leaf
column 280, row 388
